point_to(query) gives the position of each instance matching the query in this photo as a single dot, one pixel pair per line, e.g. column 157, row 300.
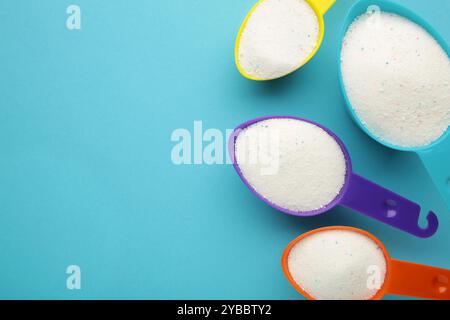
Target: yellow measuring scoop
column 319, row 7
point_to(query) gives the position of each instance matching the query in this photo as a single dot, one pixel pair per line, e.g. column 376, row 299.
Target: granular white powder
column 397, row 78
column 337, row 264
column 293, row 164
column 277, row 39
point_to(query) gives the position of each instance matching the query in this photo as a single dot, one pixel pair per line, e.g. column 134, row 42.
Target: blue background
column 86, row 176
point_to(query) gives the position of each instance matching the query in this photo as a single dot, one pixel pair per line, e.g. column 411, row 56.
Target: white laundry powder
column 397, row 78
column 293, row 164
column 337, row 264
column 277, row 39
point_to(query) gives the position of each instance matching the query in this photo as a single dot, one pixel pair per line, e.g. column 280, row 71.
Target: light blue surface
column 86, row 175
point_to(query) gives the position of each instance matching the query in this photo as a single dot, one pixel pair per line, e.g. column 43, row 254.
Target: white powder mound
column 277, row 39
column 337, row 265
column 293, row 164
column 397, row 78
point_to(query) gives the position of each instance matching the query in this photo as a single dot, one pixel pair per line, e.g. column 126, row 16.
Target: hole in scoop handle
column 322, row 5
column 437, row 162
column 420, row 281
column 379, row 203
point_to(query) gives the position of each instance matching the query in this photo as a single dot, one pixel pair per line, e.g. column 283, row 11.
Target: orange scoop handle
column 420, row 281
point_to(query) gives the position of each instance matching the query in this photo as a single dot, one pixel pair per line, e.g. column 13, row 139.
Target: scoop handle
column 437, row 162
column 379, row 203
column 322, row 5
column 420, row 281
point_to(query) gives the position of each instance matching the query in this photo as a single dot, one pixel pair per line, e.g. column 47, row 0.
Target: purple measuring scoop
column 357, row 193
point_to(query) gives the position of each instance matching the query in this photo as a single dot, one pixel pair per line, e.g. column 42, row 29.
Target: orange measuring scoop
column 402, row 278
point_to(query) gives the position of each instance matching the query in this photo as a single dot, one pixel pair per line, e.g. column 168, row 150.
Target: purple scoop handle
column 381, row 204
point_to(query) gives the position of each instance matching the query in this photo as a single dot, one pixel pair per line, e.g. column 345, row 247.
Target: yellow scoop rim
column 320, row 7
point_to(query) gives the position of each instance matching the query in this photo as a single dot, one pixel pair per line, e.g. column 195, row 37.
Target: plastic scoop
column 320, row 7
column 401, row 278
column 357, row 193
column 436, row 156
